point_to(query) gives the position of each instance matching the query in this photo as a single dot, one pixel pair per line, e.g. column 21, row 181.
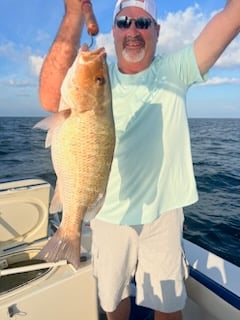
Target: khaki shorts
column 151, row 252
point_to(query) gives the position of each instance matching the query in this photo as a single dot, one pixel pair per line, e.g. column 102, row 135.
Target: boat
column 37, row 290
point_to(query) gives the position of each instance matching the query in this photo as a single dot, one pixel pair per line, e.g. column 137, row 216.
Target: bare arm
column 60, row 56
column 217, row 34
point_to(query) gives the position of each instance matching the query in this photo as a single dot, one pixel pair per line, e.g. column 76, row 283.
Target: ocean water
column 213, row 222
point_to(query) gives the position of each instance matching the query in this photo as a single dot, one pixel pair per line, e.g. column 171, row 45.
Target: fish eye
column 100, row 80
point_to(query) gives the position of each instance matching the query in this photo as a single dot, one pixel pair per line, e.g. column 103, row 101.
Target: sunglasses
column 124, row 22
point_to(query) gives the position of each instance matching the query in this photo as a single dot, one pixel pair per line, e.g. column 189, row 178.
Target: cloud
column 106, row 41
column 23, row 66
column 231, row 57
column 35, row 63
column 42, row 36
column 23, row 95
column 220, row 80
column 18, row 83
column 9, row 51
column 180, row 28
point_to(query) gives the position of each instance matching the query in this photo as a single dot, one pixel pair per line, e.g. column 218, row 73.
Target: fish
column 82, row 140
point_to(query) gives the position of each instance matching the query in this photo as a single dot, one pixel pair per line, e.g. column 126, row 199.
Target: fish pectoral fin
column 92, row 211
column 56, row 202
column 51, row 123
column 63, row 105
column 62, row 247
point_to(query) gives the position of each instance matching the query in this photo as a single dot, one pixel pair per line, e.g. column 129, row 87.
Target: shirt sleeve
column 184, row 67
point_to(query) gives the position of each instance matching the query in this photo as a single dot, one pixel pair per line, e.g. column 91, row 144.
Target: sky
column 28, row 27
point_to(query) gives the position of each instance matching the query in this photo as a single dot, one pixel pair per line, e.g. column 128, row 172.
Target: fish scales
column 91, row 164
column 82, row 139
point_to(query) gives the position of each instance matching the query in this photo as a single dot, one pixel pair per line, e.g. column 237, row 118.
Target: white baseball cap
column 147, row 5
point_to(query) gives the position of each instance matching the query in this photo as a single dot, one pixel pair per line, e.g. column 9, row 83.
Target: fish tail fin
column 60, row 247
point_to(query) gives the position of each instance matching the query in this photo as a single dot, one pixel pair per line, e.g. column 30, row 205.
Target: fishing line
column 91, row 43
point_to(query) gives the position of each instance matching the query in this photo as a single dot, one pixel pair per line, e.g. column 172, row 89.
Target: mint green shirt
column 152, row 170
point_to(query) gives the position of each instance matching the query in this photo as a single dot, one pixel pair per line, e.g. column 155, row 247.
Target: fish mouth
column 99, row 52
column 87, row 55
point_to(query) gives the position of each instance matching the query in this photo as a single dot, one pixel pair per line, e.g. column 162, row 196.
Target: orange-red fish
column 82, row 139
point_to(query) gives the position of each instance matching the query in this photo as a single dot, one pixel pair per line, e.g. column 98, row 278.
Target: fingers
column 90, row 19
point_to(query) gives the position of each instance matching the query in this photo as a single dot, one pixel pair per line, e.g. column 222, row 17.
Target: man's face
column 135, row 47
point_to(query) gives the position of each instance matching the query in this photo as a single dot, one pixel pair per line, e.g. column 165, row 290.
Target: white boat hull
column 61, row 293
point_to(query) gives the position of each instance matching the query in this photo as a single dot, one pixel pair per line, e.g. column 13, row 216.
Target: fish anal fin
column 56, row 202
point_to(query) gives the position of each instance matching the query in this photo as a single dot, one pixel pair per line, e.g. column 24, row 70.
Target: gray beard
column 133, row 57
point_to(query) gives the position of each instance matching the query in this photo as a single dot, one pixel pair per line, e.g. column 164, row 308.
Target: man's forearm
column 58, row 60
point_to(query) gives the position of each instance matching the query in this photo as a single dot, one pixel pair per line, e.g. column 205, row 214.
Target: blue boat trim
column 215, row 287
column 28, row 186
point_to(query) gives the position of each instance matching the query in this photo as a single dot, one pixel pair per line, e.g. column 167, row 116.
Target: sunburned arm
column 217, row 34
column 60, row 56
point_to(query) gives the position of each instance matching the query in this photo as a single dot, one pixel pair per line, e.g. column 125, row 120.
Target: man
column 138, row 231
